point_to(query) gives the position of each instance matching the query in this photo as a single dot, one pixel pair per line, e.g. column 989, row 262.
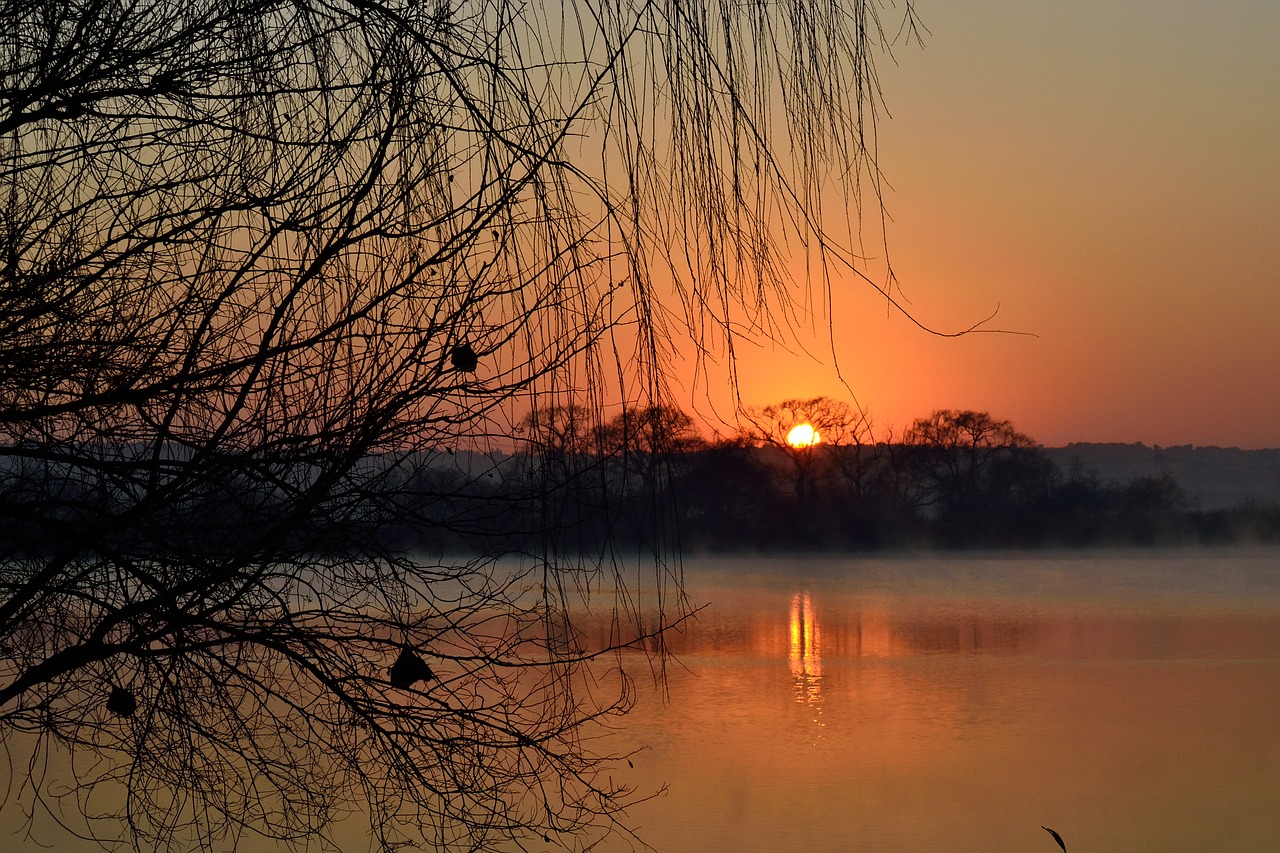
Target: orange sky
column 1108, row 175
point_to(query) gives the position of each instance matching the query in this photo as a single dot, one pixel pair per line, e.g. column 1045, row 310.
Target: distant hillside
column 1212, row 477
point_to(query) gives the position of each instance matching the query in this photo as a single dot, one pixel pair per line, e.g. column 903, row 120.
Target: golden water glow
column 803, row 435
column 806, row 654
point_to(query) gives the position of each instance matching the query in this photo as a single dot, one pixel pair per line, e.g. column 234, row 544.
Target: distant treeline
column 957, row 479
column 894, row 496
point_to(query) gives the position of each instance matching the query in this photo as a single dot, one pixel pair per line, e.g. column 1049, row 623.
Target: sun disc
column 803, row 435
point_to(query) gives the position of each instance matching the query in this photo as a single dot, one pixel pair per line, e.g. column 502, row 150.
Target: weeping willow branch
column 283, row 289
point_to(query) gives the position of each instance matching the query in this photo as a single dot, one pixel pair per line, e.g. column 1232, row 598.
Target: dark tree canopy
column 835, row 421
column 951, row 429
column 956, row 479
column 277, row 277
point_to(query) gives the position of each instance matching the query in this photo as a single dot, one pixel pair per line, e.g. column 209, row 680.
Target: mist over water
column 961, row 702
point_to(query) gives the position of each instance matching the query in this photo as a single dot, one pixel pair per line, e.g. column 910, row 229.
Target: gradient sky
column 1108, row 175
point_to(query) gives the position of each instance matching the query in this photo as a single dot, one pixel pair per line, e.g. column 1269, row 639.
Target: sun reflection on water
column 806, row 655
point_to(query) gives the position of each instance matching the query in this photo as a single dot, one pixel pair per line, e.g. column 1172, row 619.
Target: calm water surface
column 1131, row 702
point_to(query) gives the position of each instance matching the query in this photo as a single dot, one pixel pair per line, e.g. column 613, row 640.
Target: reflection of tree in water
column 806, row 655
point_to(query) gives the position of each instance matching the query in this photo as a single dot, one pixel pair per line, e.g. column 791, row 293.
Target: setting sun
column 803, row 435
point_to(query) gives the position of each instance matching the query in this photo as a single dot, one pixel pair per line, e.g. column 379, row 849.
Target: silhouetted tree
column 951, row 455
column 835, row 422
column 561, row 431
column 647, row 452
column 267, row 271
column 965, row 430
column 731, row 499
column 647, row 441
column 1149, row 509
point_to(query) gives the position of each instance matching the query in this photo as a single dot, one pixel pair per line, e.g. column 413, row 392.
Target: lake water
column 1131, row 702
column 958, row 703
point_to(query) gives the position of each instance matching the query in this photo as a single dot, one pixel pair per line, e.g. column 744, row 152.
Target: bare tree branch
column 279, row 284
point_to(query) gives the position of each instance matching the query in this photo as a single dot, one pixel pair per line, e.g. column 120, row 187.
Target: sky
column 1107, row 176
